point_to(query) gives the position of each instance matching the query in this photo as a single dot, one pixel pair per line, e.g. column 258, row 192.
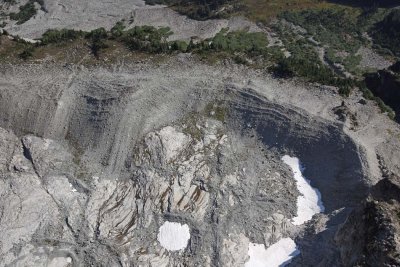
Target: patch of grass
column 190, row 126
column 265, row 10
column 216, row 111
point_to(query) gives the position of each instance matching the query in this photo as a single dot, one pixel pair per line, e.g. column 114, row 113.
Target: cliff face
column 386, row 85
column 371, row 234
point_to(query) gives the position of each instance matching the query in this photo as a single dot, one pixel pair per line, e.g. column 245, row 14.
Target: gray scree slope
column 93, row 161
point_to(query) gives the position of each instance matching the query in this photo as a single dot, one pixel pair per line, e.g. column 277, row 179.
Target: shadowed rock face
column 331, row 159
column 367, row 3
column 370, row 235
column 94, row 161
column 386, row 85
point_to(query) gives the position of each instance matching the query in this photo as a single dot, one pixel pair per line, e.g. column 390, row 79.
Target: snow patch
column 32, row 41
column 174, row 236
column 309, row 202
column 276, row 255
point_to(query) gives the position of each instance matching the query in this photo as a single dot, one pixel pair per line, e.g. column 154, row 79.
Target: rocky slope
column 94, row 161
column 91, row 15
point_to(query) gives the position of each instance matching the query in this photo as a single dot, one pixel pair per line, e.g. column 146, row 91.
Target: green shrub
column 216, row 110
column 283, row 69
column 117, row 30
column 27, row 53
column 60, row 36
column 367, row 94
column 344, row 91
column 387, row 32
column 304, row 62
column 97, row 38
column 240, row 60
column 26, row 12
column 385, row 108
column 99, row 33
column 181, row 46
column 239, row 41
column 312, row 70
column 147, row 38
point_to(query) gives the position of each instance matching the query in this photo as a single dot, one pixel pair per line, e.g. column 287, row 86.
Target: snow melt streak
column 174, row 236
column 278, row 254
column 309, row 202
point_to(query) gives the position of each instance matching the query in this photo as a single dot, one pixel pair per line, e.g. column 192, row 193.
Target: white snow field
column 276, row 255
column 174, row 236
column 309, row 202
